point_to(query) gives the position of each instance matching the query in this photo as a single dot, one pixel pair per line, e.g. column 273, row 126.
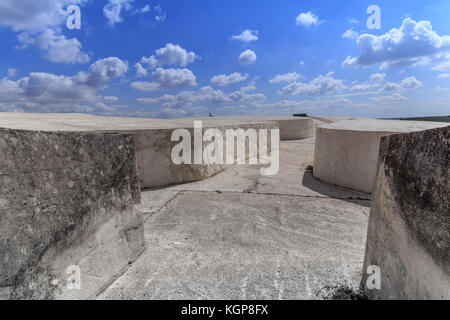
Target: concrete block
column 346, row 152
column 67, row 201
column 408, row 236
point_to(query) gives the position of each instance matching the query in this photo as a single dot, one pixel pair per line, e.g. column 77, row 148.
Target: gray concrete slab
column 237, row 236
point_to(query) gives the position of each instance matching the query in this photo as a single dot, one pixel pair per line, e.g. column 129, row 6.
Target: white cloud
column 319, row 86
column 167, row 79
column 39, row 23
column 247, row 57
column 443, row 75
column 415, row 43
column 287, row 77
column 186, row 99
column 307, row 19
column 310, row 104
column 247, row 36
column 102, row 71
column 224, row 80
column 140, row 70
column 111, row 98
column 406, row 84
column 46, row 92
column 113, row 9
column 172, row 55
column 165, row 97
column 27, row 15
column 145, row 9
column 360, row 87
column 396, row 97
column 59, row 49
column 353, row 21
column 12, row 72
column 377, row 77
column 161, row 15
column 350, row 34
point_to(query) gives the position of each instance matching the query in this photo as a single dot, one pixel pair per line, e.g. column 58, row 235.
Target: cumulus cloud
column 396, row 97
column 415, row 43
column 140, row 70
column 12, row 72
column 172, row 55
column 224, row 80
column 350, row 34
column 46, row 92
column 307, row 19
column 186, row 99
column 167, row 79
column 59, row 49
column 246, row 36
column 39, row 23
column 113, row 9
column 247, row 57
column 360, row 87
column 102, row 71
column 406, row 84
column 377, row 77
column 111, row 98
column 292, row 106
column 319, row 86
column 443, row 75
column 286, row 77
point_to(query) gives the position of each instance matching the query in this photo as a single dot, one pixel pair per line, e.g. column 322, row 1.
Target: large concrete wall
column 66, row 199
column 153, row 155
column 409, row 226
column 153, row 138
column 346, row 152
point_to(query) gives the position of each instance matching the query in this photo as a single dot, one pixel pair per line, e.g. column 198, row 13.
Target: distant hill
column 433, row 119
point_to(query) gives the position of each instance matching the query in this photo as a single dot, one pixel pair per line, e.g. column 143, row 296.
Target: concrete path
column 239, row 235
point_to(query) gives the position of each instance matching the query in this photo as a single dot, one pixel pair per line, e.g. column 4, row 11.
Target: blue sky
column 188, row 58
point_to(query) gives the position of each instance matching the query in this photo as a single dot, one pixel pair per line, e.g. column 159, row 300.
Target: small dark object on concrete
column 303, row 115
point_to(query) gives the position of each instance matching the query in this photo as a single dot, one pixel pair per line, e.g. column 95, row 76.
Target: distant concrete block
column 69, row 202
column 154, row 148
column 346, row 152
column 409, row 226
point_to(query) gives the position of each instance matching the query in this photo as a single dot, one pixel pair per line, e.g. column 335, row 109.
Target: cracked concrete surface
column 240, row 235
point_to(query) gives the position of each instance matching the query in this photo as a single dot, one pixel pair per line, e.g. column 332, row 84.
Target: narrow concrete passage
column 239, row 235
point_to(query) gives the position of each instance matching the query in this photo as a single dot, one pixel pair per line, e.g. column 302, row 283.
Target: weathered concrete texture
column 153, row 138
column 66, row 199
column 252, row 237
column 347, row 151
column 409, row 227
column 154, row 149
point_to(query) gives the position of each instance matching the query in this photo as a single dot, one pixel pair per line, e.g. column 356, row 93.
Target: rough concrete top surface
column 373, row 125
column 82, row 122
column 287, row 236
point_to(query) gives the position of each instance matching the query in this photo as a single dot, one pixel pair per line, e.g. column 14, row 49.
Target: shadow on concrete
column 337, row 192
